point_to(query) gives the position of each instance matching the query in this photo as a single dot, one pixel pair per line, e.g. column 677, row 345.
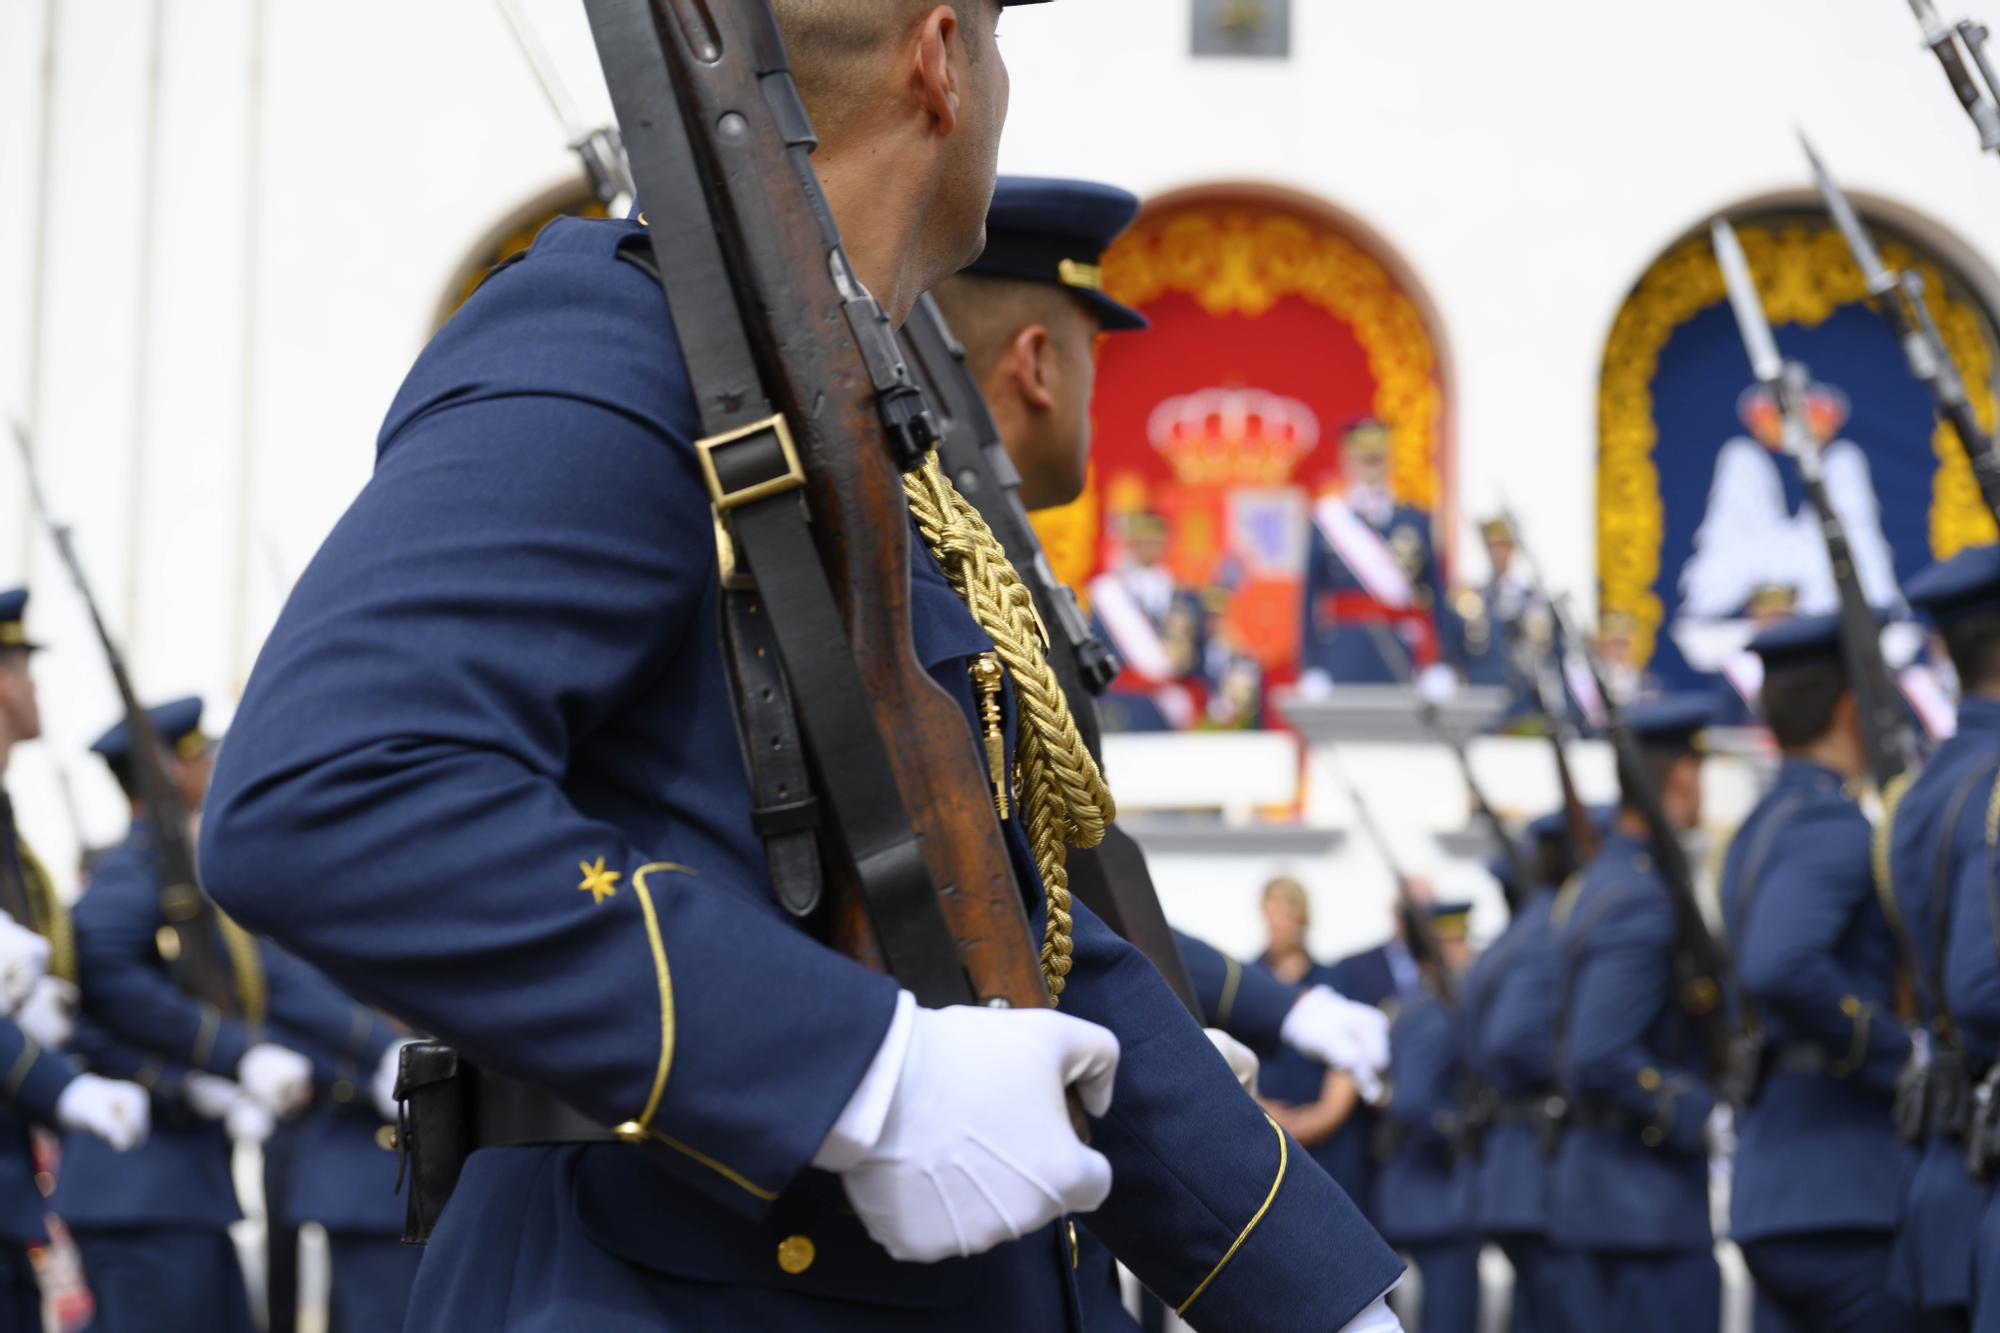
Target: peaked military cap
column 179, row 725
column 1670, row 720
column 1800, row 641
column 1451, row 920
column 13, row 620
column 1056, row 231
column 1969, row 582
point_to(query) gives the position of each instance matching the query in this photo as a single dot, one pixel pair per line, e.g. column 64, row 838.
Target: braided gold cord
column 1064, row 799
column 51, row 917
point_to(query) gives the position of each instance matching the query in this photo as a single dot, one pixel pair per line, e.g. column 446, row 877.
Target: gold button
column 796, row 1254
column 1850, row 1006
column 1649, row 1079
column 385, row 1138
column 343, row 1091
column 1652, row 1136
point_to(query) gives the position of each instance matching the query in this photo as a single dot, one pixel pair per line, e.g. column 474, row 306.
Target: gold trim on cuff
column 659, row 948
column 24, row 1062
column 1232, row 978
column 1284, row 1154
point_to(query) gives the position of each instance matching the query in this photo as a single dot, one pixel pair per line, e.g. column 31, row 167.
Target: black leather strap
column 784, row 810
column 507, row 1113
column 771, row 534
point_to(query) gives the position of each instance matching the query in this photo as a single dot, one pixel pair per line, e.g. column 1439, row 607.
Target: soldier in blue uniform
column 492, row 731
column 152, row 1226
column 1628, row 1197
column 1371, row 559
column 1935, row 831
column 40, row 1085
column 1424, row 1184
column 1487, row 620
column 1819, row 1172
column 1510, row 1007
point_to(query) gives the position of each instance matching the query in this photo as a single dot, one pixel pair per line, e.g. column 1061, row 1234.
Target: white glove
column 120, row 1113
column 1242, row 1060
column 1377, row 1318
column 24, row 957
column 279, row 1078
column 248, row 1121
column 209, row 1095
column 382, row 1087
column 959, row 1137
column 49, row 1014
column 1334, row 1030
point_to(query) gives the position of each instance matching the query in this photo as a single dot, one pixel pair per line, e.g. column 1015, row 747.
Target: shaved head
column 835, row 45
column 986, row 313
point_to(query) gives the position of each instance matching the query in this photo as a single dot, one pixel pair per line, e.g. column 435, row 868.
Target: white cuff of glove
column 976, row 1148
column 278, row 1077
column 859, row 1128
column 49, row 1014
column 1377, row 1318
column 24, row 958
column 209, row 1095
column 1242, row 1060
column 249, row 1121
column 1334, row 1030
column 120, row 1113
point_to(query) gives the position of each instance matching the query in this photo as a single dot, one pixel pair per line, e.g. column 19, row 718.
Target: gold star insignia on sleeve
column 598, row 882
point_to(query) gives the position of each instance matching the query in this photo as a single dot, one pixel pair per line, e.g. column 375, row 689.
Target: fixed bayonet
column 1973, row 94
column 597, row 146
column 1884, row 730
column 1901, row 296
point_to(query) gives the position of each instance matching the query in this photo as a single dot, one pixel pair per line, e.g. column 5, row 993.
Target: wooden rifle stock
column 706, row 104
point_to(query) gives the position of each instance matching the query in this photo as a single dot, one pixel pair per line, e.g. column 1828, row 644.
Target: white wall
column 217, row 347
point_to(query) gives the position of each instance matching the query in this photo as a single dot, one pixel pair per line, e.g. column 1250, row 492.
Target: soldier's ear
column 1032, row 357
column 934, row 77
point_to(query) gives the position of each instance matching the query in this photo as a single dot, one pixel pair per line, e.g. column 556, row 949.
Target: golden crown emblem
column 1246, row 437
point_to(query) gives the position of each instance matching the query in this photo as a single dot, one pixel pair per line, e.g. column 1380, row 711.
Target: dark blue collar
column 1979, row 715
column 1806, row 773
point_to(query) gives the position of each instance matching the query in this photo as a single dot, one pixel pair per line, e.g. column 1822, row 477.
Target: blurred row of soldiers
column 138, row 1091
column 1557, row 1100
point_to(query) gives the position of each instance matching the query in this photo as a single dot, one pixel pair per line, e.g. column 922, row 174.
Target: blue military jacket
column 1423, row 1192
column 1246, row 1002
column 1510, row 1001
column 140, row 1025
column 1936, row 833
column 1624, row 1047
column 492, row 737
column 1349, row 653
column 1817, row 1151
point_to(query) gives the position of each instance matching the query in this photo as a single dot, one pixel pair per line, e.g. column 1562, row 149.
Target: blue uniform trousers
column 1450, row 1273
column 372, row 1279
column 164, row 1280
column 1825, row 1282
column 1536, row 1298
column 1637, row 1291
column 20, row 1292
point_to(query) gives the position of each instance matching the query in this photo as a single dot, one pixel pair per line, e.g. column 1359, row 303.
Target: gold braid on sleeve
column 1064, row 799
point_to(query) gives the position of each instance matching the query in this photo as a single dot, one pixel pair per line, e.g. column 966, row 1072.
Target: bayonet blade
column 1765, row 363
column 1881, row 282
column 1927, row 16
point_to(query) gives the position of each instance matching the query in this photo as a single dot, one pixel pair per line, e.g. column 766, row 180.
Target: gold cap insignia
column 1074, row 274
